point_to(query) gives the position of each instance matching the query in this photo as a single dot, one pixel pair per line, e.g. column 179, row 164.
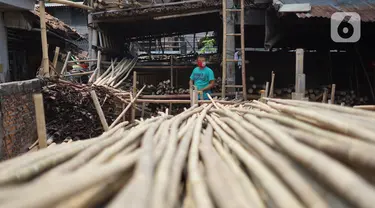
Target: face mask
column 201, row 64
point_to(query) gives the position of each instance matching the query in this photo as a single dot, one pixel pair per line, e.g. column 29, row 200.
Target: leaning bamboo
column 62, row 73
column 99, row 110
column 55, row 59
column 126, row 109
column 42, row 10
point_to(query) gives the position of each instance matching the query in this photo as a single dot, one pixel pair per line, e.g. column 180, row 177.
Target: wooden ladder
column 225, row 58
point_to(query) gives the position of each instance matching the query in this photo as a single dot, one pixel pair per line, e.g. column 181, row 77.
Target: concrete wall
column 18, row 126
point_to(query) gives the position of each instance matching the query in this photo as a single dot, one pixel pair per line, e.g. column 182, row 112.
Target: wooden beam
column 83, row 61
column 71, row 4
column 185, row 14
column 186, row 96
column 78, row 74
column 182, row 101
column 40, row 120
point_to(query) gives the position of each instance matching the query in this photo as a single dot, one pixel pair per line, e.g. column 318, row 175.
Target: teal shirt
column 202, row 78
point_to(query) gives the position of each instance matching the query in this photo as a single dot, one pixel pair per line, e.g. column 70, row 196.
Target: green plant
column 208, row 46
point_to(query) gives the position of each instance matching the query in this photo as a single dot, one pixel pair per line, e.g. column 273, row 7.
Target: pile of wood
column 70, row 110
column 164, row 88
column 283, row 153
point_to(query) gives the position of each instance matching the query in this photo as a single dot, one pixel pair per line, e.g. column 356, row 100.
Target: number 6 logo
column 345, row 27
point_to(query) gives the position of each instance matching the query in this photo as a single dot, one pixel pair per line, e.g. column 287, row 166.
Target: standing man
column 202, row 78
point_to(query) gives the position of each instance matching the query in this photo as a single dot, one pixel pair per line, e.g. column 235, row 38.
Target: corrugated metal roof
column 325, row 8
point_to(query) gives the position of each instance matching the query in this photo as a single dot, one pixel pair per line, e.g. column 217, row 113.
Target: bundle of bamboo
column 278, row 153
column 115, row 75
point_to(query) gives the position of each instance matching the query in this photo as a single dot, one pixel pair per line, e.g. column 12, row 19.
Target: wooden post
column 43, row 31
column 99, row 110
column 191, row 92
column 172, row 78
column 55, row 59
column 267, row 89
column 123, row 107
column 325, row 95
column 224, row 52
column 90, row 38
column 143, row 110
column 333, row 90
column 171, row 71
column 272, row 84
column 98, row 64
column 243, row 66
column 134, row 94
column 40, row 120
column 299, row 65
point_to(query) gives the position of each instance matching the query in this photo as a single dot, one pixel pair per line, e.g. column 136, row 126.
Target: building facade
column 74, row 17
column 9, row 6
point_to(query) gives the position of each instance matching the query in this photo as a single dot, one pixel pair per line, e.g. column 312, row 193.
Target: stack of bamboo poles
column 116, row 73
column 277, row 153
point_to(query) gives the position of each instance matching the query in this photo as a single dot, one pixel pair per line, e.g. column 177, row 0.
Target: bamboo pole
column 365, row 107
column 79, row 74
column 224, row 62
column 99, row 110
column 181, row 96
column 325, row 94
column 65, row 64
column 183, row 101
column 83, row 61
column 272, row 85
column 267, row 89
column 55, row 59
column 71, row 4
column 243, row 66
column 43, row 30
column 143, row 110
column 134, row 93
column 333, row 91
column 40, row 120
column 126, row 109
